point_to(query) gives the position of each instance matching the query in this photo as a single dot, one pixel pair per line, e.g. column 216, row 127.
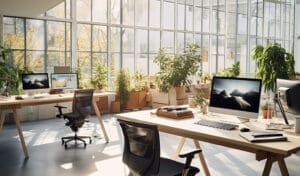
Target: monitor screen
column 289, row 94
column 64, row 81
column 235, row 96
column 35, row 81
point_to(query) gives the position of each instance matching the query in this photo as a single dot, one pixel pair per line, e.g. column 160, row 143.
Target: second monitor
column 64, row 80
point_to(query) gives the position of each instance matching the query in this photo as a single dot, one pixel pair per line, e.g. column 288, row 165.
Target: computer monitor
column 64, row 81
column 235, row 96
column 35, row 81
column 288, row 96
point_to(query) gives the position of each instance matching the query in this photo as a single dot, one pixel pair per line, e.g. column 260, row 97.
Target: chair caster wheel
column 62, row 142
column 84, row 145
column 90, row 141
column 66, row 147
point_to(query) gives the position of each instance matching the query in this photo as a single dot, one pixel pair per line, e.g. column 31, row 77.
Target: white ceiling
column 26, row 8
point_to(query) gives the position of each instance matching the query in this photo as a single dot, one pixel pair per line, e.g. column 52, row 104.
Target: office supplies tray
column 174, row 112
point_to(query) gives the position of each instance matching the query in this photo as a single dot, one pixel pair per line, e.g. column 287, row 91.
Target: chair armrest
column 190, row 154
column 189, row 157
column 59, row 107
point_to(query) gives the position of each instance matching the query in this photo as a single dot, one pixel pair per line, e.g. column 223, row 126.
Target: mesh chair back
column 141, row 148
column 83, row 102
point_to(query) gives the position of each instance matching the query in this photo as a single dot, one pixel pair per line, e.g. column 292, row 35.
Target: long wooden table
column 12, row 105
column 271, row 151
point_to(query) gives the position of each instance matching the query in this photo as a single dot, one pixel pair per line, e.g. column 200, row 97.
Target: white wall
column 297, row 41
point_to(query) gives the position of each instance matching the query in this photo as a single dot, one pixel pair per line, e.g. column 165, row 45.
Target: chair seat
column 174, row 168
column 74, row 119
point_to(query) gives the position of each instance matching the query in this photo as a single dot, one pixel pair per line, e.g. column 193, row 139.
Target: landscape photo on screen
column 238, row 94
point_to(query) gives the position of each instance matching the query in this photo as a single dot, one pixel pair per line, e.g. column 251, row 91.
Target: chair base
column 65, row 140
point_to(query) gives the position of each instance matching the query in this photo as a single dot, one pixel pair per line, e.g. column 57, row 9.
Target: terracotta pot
column 267, row 113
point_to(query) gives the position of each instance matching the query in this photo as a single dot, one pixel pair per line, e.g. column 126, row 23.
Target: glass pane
column 115, row 11
column 242, row 6
column 189, row 18
column 99, row 38
column 180, row 17
column 153, row 67
column 115, row 39
column 154, row 14
column 99, row 11
column 214, row 22
column 19, row 58
column 84, row 63
column 141, row 12
column 231, row 23
column 168, row 41
column 198, row 19
column 128, row 12
column 68, row 9
column 168, row 16
column 221, row 23
column 14, row 33
column 57, row 11
column 35, row 60
column 242, row 24
column 35, row 34
column 128, row 40
column 180, row 42
column 141, row 38
column 128, row 62
column 205, row 48
column 55, row 59
column 205, row 21
column 231, row 5
column 221, row 63
column 83, row 10
column 142, row 63
column 221, row 45
column 99, row 58
column 68, row 36
column 154, row 42
column 83, row 37
column 253, row 26
column 189, row 38
column 230, row 52
column 56, row 35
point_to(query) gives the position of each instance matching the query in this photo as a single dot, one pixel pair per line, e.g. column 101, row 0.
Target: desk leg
column 3, row 113
column 271, row 158
column 201, row 158
column 18, row 125
column 179, row 148
column 97, row 111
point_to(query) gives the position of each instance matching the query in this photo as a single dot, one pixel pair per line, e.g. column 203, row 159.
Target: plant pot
column 180, row 92
column 267, row 113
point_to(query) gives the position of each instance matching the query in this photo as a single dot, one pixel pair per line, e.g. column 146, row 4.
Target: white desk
column 13, row 105
column 272, row 151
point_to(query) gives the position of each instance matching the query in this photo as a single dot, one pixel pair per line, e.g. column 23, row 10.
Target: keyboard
column 215, row 124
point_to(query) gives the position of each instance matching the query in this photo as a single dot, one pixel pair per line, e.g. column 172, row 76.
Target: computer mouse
column 244, row 129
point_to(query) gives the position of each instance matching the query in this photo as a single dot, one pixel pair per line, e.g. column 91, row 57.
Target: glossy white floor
column 49, row 158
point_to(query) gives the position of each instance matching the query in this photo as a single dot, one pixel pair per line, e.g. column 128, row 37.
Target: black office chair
column 82, row 107
column 142, row 153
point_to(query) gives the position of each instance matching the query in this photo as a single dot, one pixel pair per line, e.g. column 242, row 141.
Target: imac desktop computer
column 239, row 97
column 288, row 97
column 64, row 81
column 33, row 82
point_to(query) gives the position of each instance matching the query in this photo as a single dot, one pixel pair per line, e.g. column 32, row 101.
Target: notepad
column 263, row 136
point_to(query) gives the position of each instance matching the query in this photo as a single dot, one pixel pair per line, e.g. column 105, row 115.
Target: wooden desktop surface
column 229, row 138
column 11, row 104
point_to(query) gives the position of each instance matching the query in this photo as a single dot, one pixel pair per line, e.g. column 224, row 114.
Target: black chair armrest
column 189, row 157
column 59, row 107
column 190, row 154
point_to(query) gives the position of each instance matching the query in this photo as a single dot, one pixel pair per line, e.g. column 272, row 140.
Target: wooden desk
column 272, row 151
column 11, row 104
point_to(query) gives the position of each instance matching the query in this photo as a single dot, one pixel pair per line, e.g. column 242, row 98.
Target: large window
column 128, row 33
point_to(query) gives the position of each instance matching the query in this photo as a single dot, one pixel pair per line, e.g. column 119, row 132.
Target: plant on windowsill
column 205, row 77
column 122, row 87
column 99, row 76
column 175, row 70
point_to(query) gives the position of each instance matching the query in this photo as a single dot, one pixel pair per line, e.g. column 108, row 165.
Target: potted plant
column 205, row 77
column 176, row 69
column 202, row 102
column 273, row 62
column 233, row 71
column 10, row 74
column 122, row 86
column 99, row 76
